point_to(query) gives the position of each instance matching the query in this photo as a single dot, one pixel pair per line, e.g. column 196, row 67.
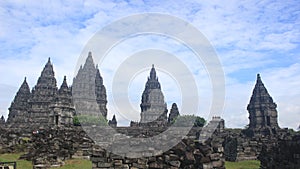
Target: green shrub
column 188, row 120
column 89, row 120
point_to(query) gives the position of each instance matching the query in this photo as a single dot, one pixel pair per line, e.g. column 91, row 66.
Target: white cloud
column 249, row 36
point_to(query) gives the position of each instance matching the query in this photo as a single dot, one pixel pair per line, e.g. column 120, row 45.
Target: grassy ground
column 23, row 164
column 14, row 157
column 86, row 164
column 251, row 164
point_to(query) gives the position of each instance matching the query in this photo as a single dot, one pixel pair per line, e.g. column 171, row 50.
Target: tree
column 189, row 120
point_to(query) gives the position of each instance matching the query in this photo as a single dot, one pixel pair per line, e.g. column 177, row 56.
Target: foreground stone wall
column 282, row 154
column 13, row 140
column 239, row 147
column 53, row 145
column 188, row 153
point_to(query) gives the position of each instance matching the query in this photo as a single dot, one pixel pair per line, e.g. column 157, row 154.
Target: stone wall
column 188, row 153
column 13, row 140
column 282, row 154
column 53, row 145
column 239, row 147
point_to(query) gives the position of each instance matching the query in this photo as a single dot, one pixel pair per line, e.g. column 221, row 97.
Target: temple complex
column 48, row 105
column 50, row 110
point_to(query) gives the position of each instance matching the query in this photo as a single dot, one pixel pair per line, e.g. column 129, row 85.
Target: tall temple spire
column 22, row 96
column 113, row 122
column 2, row 120
column 153, row 73
column 89, row 62
column 19, row 106
column 88, row 85
column 43, row 94
column 174, row 113
column 153, row 106
column 100, row 92
column 64, row 85
column 152, row 82
column 262, row 109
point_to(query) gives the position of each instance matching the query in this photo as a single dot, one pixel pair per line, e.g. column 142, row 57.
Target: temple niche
column 62, row 109
column 262, row 111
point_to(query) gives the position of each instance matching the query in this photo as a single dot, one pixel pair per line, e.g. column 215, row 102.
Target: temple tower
column 100, row 91
column 88, row 91
column 113, row 122
column 153, row 106
column 262, row 110
column 174, row 113
column 43, row 94
column 2, row 120
column 62, row 109
column 18, row 110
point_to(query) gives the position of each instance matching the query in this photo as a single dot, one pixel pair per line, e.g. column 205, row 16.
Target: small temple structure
column 153, row 106
column 262, row 111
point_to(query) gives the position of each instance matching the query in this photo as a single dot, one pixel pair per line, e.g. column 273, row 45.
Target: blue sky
column 249, row 37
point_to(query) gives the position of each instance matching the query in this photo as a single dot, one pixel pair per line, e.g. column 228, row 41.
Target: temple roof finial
column 258, row 79
column 152, row 72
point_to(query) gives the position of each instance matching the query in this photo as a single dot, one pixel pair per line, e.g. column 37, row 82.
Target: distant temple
column 262, row 111
column 48, row 105
column 153, row 107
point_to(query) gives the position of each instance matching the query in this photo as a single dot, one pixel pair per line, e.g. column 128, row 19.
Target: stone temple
column 153, row 107
column 46, row 105
column 262, row 111
column 50, row 111
column 88, row 91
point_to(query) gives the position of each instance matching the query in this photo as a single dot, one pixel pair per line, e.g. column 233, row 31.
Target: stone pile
column 282, row 154
column 187, row 154
column 52, row 146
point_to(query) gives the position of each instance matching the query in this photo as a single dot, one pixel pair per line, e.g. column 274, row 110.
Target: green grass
column 250, row 164
column 23, row 164
column 14, row 157
column 76, row 164
column 86, row 164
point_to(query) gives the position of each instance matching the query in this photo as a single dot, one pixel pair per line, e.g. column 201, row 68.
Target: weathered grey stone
column 153, row 106
column 262, row 111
